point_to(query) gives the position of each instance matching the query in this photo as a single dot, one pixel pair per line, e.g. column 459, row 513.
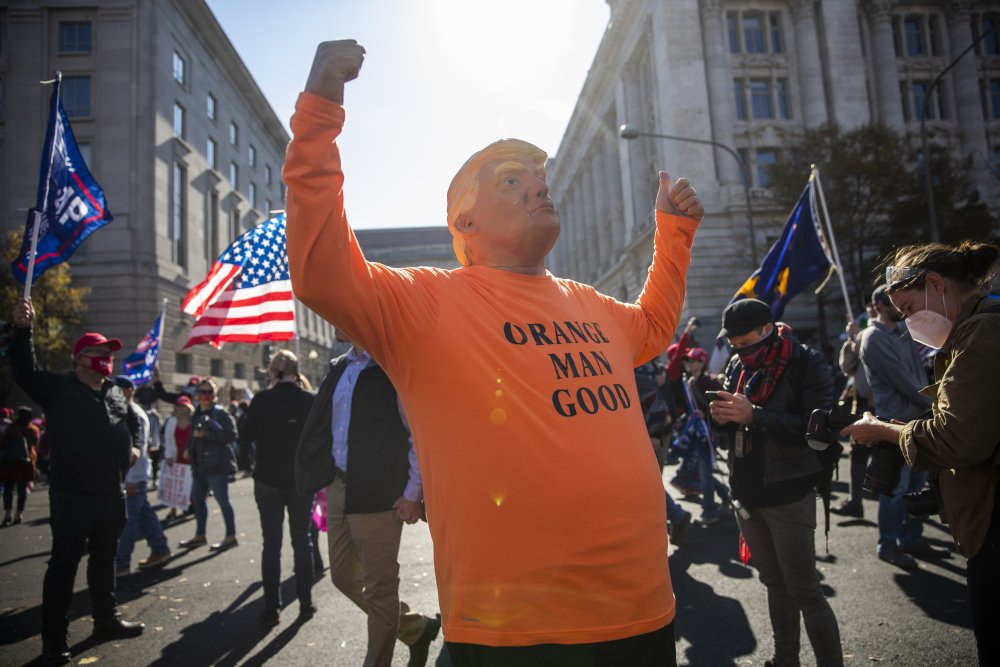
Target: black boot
column 115, row 627
column 55, row 652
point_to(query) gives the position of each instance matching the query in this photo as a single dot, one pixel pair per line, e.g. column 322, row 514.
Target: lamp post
column 629, row 132
column 931, row 208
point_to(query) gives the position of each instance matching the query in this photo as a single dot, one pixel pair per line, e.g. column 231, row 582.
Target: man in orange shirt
column 544, row 501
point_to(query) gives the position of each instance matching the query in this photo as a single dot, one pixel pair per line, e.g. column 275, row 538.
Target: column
column 883, row 54
column 808, row 62
column 966, row 82
column 593, row 219
column 605, row 248
column 613, row 175
column 720, row 88
column 846, row 69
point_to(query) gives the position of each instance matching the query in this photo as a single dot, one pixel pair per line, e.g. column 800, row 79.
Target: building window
column 211, row 153
column 733, row 30
column 981, row 24
column 234, row 224
column 84, row 148
column 179, row 69
column 741, row 100
column 934, row 34
column 913, row 34
column 781, row 88
column 75, row 96
column 216, row 367
column 267, row 174
column 179, row 219
column 766, row 157
column 252, row 156
column 744, row 164
column 210, row 106
column 753, row 33
column 74, row 37
column 239, row 371
column 918, row 97
column 178, row 120
column 234, row 176
column 234, row 134
column 252, row 194
column 182, row 363
column 212, row 227
column 777, row 41
column 760, row 99
column 991, row 99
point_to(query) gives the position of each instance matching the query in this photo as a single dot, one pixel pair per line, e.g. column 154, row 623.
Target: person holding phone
column 213, row 456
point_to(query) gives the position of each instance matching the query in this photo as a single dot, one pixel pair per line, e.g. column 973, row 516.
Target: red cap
column 697, row 354
column 184, row 400
column 92, row 338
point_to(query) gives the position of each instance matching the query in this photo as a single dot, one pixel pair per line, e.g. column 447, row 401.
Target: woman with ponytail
column 944, row 293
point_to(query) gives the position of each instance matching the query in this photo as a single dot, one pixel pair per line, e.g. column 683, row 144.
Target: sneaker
column 122, row 571
column 708, row 517
column 154, row 560
column 196, row 541
column 848, row 507
column 895, row 556
column 678, row 529
column 228, row 542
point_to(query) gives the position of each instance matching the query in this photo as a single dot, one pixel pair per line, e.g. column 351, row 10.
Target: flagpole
column 298, row 344
column 45, row 197
column 163, row 324
column 833, row 241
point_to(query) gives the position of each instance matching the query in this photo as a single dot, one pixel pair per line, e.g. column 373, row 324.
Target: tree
column 876, row 198
column 59, row 309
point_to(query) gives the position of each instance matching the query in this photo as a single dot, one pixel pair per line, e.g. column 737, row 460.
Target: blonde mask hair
column 464, row 187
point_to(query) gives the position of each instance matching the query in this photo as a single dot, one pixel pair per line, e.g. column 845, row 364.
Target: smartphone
column 713, row 396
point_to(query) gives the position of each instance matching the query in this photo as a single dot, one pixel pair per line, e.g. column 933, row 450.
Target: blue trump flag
column 70, row 201
column 139, row 365
column 800, row 257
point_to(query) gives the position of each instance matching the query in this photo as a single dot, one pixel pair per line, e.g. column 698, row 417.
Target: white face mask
column 930, row 328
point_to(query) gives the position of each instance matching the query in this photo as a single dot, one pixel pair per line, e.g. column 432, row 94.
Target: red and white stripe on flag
column 248, row 315
column 218, row 279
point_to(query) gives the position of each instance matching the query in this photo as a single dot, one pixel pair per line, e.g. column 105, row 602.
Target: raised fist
column 335, row 64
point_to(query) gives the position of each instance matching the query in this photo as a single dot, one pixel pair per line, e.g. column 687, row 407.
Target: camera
column 924, row 503
column 825, row 426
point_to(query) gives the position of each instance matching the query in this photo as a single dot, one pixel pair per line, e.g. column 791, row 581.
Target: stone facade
column 176, row 131
column 751, row 75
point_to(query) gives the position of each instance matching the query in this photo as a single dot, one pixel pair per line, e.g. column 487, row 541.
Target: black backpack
column 15, row 447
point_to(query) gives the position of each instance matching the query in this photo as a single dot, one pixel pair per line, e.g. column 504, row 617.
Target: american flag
column 247, row 296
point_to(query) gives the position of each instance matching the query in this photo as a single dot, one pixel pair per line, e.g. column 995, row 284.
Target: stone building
column 751, row 75
column 176, row 131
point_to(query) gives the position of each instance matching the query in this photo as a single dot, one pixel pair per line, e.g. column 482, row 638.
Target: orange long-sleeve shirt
column 545, row 503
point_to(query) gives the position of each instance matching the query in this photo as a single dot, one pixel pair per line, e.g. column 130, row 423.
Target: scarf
column 761, row 382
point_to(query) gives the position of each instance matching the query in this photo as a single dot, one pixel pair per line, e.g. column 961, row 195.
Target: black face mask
column 754, row 354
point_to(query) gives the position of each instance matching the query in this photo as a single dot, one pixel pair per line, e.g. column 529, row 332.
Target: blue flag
column 74, row 207
column 800, row 257
column 138, row 366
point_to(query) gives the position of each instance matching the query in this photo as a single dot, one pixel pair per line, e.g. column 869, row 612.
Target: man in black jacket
column 357, row 445
column 92, row 435
column 772, row 386
column 274, row 421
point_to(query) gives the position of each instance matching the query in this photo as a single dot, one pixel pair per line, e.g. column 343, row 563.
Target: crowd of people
column 466, row 394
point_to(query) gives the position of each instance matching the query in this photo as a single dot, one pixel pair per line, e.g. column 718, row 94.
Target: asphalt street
column 202, row 608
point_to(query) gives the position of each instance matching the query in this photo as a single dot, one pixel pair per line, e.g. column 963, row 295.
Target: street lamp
column 931, row 208
column 628, row 132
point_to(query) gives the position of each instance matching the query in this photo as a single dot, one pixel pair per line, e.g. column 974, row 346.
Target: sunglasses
column 206, row 391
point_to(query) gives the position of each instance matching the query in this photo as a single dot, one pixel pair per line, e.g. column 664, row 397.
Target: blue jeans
column 895, row 526
column 782, row 542
column 675, row 512
column 219, row 484
column 140, row 519
column 272, row 503
column 709, row 484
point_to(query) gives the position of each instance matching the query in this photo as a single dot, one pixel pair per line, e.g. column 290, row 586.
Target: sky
column 441, row 79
